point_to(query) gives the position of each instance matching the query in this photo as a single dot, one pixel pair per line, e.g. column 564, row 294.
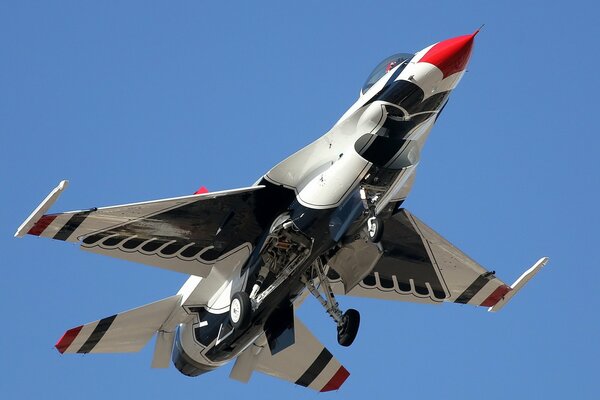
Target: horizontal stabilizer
column 519, row 283
column 306, row 363
column 125, row 332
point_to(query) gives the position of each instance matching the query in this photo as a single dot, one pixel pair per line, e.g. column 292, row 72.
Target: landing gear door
column 351, row 264
column 279, row 328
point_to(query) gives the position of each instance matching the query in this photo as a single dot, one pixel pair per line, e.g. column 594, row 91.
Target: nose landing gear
column 348, row 322
column 374, row 223
column 375, row 229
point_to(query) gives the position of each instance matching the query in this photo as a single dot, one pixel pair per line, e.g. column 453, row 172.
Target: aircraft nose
column 451, row 55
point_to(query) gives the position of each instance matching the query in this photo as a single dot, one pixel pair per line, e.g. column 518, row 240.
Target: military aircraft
column 326, row 221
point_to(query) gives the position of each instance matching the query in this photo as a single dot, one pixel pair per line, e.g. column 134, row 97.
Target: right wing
column 306, row 363
column 186, row 234
column 414, row 263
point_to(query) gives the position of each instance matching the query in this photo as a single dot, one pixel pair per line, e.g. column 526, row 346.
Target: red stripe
column 65, row 341
column 496, row 296
column 41, row 225
column 336, row 381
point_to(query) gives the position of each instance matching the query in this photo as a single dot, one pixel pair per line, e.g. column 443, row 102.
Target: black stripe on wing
column 98, row 333
column 315, row 368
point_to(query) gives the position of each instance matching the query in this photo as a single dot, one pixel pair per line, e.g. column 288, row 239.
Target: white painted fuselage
column 374, row 147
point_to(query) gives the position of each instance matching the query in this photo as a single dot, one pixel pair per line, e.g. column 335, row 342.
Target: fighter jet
column 327, row 221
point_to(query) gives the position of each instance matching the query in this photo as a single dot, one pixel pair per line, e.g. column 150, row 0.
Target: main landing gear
column 347, row 330
column 284, row 251
column 348, row 322
column 240, row 310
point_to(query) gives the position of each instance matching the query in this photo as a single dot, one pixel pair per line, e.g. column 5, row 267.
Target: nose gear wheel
column 375, row 229
column 374, row 223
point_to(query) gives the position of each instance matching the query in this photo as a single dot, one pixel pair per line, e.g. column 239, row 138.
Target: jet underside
column 314, row 224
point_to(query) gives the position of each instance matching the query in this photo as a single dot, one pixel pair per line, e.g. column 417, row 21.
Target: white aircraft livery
column 327, row 221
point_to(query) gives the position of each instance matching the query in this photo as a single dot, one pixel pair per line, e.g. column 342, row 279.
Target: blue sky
column 146, row 100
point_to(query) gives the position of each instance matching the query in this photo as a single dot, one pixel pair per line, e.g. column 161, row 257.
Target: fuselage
column 365, row 163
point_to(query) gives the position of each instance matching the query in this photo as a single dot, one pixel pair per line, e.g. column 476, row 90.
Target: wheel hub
column 235, row 310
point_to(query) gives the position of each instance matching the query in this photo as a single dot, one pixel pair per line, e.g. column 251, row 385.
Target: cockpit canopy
column 386, row 66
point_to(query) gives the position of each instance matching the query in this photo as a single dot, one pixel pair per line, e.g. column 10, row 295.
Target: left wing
column 306, row 363
column 414, row 263
column 186, row 234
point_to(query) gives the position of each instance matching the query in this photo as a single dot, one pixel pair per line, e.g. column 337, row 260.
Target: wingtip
column 41, row 209
column 336, row 380
column 66, row 339
column 518, row 284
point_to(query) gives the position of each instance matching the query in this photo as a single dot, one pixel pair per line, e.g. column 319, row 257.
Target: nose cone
column 452, row 55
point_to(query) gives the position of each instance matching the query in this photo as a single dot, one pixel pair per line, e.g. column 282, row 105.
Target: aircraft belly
column 329, row 188
column 302, row 164
column 313, row 223
column 297, row 170
column 378, row 147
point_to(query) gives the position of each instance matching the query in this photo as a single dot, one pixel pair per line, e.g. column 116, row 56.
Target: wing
column 306, row 363
column 186, row 234
column 125, row 332
column 414, row 263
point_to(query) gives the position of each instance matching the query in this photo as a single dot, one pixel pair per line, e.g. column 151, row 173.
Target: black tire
column 240, row 310
column 349, row 328
column 376, row 231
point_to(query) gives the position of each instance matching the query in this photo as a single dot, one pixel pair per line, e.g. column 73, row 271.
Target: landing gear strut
column 348, row 322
